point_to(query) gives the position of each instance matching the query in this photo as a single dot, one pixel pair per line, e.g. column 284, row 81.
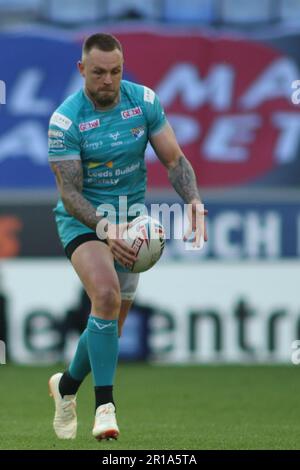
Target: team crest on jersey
column 138, row 132
column 129, row 113
column 87, row 126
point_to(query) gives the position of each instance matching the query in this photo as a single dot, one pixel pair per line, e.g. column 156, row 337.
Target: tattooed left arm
column 180, row 171
column 183, row 180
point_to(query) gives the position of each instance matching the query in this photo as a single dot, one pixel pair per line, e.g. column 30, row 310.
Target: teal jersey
column 111, row 146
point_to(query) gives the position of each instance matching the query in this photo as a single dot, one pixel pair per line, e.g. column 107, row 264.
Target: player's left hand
column 113, row 234
column 197, row 226
column 121, row 251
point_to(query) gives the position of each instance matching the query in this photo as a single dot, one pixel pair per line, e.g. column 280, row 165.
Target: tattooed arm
column 69, row 180
column 183, row 180
column 180, row 171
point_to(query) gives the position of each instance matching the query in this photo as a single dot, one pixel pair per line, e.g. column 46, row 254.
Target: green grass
column 162, row 407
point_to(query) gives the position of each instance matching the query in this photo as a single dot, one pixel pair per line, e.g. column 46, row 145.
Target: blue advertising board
column 236, row 230
column 238, row 129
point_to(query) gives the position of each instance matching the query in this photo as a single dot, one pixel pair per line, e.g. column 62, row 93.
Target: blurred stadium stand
column 238, row 13
column 289, row 11
column 243, row 13
column 190, row 11
column 73, row 12
column 134, row 9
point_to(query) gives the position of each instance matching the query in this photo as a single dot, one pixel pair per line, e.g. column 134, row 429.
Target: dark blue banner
column 244, row 230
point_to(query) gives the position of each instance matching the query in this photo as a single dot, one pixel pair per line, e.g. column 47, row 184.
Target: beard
column 104, row 98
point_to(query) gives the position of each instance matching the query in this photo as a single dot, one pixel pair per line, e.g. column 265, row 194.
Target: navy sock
column 68, row 385
column 103, row 394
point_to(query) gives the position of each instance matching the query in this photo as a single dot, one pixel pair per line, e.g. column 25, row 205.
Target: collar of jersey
column 101, row 110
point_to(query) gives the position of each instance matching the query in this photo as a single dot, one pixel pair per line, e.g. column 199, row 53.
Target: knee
column 106, row 302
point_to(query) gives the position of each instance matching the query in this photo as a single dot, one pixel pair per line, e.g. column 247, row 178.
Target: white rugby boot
column 65, row 419
column 105, row 426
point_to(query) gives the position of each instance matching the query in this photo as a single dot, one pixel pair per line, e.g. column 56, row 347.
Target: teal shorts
column 70, row 228
column 80, row 234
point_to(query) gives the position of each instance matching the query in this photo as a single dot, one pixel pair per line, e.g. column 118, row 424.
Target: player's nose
column 107, row 79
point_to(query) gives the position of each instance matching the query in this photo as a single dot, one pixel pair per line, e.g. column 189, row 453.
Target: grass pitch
column 162, row 407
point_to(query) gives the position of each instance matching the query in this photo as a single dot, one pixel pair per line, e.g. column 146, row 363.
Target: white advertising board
column 210, row 312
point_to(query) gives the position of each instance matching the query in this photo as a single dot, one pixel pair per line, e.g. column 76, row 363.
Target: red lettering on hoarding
column 229, row 101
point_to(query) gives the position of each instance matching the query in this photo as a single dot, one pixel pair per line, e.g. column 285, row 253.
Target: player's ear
column 80, row 67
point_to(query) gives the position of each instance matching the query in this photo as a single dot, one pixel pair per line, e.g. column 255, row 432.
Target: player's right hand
column 119, row 248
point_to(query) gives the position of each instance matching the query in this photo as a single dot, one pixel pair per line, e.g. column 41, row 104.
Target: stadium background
column 223, row 70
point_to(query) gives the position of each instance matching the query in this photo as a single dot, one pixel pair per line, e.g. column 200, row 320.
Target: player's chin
column 105, row 100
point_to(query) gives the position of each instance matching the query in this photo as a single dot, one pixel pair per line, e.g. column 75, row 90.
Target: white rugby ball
column 147, row 237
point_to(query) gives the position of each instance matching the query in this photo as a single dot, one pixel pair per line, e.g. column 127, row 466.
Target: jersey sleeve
column 154, row 111
column 63, row 140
